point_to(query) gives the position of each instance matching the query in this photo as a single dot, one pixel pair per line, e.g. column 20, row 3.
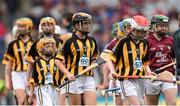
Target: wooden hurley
column 162, row 76
column 163, row 67
column 165, row 76
column 98, row 62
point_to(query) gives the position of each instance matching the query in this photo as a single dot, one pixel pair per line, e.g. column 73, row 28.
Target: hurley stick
column 98, row 62
column 163, row 67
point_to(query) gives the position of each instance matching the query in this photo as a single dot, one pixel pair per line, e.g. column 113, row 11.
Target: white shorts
column 117, row 85
column 46, row 95
column 155, row 87
column 133, row 87
column 19, row 80
column 80, row 85
column 63, row 90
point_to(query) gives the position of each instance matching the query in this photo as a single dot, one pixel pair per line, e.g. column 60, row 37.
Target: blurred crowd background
column 104, row 12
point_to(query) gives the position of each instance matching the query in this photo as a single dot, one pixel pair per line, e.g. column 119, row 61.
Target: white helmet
column 57, row 29
column 139, row 22
column 127, row 22
column 40, row 30
column 14, row 30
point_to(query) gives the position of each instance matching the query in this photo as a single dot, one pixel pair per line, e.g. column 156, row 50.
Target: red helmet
column 140, row 22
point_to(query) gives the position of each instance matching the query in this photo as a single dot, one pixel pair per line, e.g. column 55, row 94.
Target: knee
column 21, row 101
column 134, row 102
column 171, row 102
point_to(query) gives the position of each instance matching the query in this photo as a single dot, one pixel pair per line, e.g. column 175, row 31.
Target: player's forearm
column 29, row 71
column 8, row 74
column 147, row 69
column 61, row 67
column 110, row 65
column 8, row 70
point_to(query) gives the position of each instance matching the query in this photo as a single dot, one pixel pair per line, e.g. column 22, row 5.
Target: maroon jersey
column 111, row 44
column 161, row 52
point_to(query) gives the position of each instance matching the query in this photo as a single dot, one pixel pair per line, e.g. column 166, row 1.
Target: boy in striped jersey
column 46, row 74
column 131, row 58
column 16, row 66
column 119, row 30
column 80, row 51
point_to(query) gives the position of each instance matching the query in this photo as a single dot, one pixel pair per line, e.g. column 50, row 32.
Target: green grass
column 101, row 100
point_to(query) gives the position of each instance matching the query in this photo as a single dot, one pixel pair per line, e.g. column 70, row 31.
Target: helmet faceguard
column 127, row 26
column 56, row 31
column 82, row 22
column 159, row 21
column 47, row 46
column 47, row 25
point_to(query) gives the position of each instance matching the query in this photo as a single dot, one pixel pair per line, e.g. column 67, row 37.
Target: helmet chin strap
column 47, row 33
column 136, row 38
column 84, row 32
column 22, row 35
column 48, row 55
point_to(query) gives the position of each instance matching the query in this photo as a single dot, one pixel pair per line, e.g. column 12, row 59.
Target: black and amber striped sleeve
column 30, row 56
column 59, row 56
column 66, row 48
column 10, row 52
column 5, row 58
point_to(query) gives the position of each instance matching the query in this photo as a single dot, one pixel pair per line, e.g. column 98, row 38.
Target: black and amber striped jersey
column 16, row 52
column 41, row 70
column 128, row 54
column 5, row 59
column 33, row 53
column 79, row 53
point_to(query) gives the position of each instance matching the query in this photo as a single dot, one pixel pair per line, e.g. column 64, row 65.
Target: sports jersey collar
column 152, row 36
column 131, row 39
column 74, row 35
column 41, row 57
column 29, row 39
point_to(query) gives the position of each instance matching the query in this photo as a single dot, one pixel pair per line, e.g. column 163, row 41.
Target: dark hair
column 67, row 16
